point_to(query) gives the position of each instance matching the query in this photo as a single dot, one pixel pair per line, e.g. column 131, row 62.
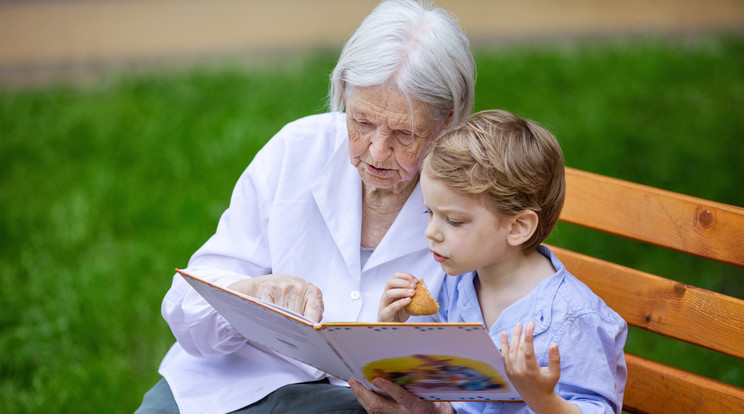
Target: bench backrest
column 701, row 317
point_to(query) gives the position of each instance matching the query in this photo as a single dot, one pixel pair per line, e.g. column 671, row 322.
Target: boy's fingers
column 397, row 304
column 528, row 348
column 554, row 361
column 504, row 342
column 517, row 334
column 505, row 347
column 393, row 294
column 405, row 292
column 516, row 338
column 529, row 331
column 405, row 279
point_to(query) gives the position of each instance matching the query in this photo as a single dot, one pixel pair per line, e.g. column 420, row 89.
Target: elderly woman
column 323, row 216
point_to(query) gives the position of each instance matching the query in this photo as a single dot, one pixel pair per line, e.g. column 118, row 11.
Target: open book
column 436, row 361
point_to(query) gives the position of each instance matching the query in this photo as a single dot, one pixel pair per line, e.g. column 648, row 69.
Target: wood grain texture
column 653, row 387
column 659, row 217
column 687, row 313
column 698, row 316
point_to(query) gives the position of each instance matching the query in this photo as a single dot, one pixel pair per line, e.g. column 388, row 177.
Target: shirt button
column 355, row 295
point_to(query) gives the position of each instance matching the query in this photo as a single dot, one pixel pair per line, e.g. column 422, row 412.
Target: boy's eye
column 427, row 212
column 454, row 223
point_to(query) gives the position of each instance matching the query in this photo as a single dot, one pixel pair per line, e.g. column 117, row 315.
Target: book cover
column 436, row 361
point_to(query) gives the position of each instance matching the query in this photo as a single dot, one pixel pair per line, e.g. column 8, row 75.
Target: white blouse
column 296, row 210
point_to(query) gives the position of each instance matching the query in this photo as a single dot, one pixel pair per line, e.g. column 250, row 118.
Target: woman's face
column 387, row 135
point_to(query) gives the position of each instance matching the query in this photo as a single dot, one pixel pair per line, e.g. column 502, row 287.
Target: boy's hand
column 398, row 292
column 535, row 384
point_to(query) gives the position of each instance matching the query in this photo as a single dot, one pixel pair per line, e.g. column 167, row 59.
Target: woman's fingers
column 371, row 401
column 313, row 303
column 287, row 291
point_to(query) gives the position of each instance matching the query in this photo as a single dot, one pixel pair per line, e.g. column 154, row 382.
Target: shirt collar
column 535, row 306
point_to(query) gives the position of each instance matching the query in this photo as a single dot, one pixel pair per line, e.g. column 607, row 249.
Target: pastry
column 422, row 303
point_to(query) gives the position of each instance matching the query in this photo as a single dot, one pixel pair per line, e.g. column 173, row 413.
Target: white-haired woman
column 322, row 217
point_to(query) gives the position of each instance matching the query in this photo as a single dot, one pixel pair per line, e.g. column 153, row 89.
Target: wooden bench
column 686, row 313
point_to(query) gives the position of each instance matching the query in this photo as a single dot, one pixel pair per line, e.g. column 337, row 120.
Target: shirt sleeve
column 593, row 370
column 238, row 250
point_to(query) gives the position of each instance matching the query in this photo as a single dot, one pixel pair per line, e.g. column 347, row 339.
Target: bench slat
column 653, row 387
column 663, row 218
column 698, row 316
column 664, row 306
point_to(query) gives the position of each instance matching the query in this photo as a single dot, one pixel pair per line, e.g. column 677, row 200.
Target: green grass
column 105, row 188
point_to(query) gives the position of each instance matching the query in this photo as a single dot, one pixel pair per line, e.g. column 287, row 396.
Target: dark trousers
column 309, row 397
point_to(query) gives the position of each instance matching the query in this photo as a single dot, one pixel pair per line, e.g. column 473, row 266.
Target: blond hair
column 516, row 164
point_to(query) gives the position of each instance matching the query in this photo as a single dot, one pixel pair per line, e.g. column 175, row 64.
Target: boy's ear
column 523, row 226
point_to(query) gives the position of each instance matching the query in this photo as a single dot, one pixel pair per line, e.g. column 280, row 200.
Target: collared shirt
column 589, row 334
column 296, row 210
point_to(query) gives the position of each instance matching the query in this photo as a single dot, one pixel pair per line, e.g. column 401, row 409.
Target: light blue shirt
column 589, row 334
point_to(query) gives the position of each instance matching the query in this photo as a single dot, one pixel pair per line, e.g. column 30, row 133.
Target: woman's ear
column 447, row 121
column 523, row 226
column 449, row 118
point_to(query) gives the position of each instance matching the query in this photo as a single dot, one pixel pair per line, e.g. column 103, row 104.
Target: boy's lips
column 438, row 257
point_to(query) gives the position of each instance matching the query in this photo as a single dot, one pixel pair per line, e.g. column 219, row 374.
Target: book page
column 450, row 362
column 272, row 326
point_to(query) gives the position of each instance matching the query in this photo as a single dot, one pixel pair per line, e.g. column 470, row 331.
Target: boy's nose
column 431, row 232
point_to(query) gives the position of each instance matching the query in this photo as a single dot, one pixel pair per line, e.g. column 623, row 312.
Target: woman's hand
column 399, row 290
column 287, row 291
column 535, row 384
column 399, row 400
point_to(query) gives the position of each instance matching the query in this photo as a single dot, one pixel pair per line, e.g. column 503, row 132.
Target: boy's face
column 463, row 234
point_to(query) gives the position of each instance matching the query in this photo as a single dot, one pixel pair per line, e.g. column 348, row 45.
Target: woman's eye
column 427, row 212
column 363, row 123
column 405, row 137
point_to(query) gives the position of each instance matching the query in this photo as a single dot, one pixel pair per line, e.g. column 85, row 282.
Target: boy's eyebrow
column 449, row 210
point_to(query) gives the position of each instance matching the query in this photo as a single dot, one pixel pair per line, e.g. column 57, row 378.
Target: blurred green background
column 106, row 187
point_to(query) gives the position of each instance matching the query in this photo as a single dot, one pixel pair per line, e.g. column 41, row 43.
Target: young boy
column 493, row 189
